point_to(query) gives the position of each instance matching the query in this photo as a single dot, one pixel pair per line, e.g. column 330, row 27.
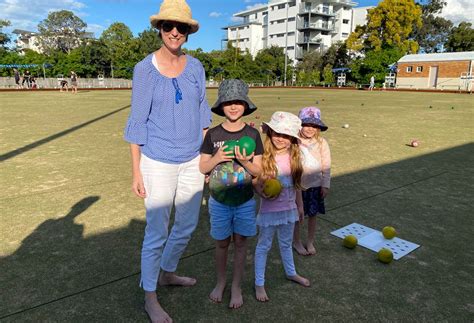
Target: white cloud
column 458, row 10
column 27, row 14
column 215, row 14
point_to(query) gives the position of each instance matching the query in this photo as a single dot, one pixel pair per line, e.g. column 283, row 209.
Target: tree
column 389, row 24
column 4, row 37
column 123, row 50
column 271, row 61
column 461, row 38
column 62, row 30
column 336, row 55
column 374, row 63
column 328, row 75
column 148, row 41
column 432, row 34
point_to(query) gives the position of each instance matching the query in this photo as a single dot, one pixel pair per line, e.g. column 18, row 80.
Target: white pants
column 165, row 185
column 264, row 244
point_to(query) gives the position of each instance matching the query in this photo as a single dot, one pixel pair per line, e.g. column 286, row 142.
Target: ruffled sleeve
column 206, row 116
column 136, row 131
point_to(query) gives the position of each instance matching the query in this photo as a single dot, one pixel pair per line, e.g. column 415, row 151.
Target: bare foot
column 171, row 279
column 217, row 292
column 236, row 299
column 300, row 249
column 300, row 280
column 156, row 313
column 310, row 248
column 261, row 294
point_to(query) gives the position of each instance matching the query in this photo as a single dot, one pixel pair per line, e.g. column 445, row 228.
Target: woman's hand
column 137, row 185
column 300, row 214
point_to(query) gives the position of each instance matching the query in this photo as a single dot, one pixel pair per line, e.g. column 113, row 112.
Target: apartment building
column 299, row 26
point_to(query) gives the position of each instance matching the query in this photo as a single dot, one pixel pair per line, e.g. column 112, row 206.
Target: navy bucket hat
column 233, row 90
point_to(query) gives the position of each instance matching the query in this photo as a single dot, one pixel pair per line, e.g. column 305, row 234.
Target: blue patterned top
column 168, row 114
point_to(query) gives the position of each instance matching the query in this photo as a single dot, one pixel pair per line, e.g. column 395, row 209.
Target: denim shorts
column 313, row 202
column 226, row 220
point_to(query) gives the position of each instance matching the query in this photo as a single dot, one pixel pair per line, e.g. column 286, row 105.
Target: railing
column 53, row 83
column 312, row 40
column 325, row 11
column 315, row 25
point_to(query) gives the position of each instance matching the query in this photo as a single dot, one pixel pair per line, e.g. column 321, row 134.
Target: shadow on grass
column 427, row 196
column 43, row 141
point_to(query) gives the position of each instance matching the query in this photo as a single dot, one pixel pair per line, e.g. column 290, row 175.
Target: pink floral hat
column 285, row 123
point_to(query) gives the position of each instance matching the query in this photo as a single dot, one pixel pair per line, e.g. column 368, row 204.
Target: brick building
column 442, row 71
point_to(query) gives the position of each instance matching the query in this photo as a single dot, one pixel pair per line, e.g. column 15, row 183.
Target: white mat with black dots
column 374, row 240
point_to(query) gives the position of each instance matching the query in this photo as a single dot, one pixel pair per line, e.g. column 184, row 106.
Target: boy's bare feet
column 217, row 292
column 261, row 294
column 300, row 280
column 236, row 299
column 310, row 248
column 155, row 311
column 171, row 279
column 300, row 249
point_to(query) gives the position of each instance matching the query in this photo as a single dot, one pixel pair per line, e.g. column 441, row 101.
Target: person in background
column 16, row 75
column 73, row 82
column 168, row 119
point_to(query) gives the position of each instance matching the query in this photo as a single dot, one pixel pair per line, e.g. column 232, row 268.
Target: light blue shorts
column 226, row 220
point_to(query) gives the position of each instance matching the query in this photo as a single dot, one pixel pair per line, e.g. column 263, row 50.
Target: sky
column 211, row 14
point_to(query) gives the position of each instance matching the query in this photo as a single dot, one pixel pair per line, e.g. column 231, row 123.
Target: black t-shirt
column 229, row 182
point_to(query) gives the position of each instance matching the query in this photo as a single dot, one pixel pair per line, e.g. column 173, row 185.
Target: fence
column 84, row 83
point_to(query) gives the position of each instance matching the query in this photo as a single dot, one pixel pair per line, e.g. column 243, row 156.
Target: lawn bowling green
column 374, row 240
column 71, row 230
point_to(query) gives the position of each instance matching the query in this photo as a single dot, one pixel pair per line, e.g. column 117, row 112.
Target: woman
column 168, row 118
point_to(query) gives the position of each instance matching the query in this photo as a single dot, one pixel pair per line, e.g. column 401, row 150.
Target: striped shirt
column 168, row 126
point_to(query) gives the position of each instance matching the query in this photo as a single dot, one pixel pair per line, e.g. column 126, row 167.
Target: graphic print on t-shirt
column 230, row 184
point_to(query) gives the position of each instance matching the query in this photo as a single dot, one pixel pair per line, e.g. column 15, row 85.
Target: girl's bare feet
column 171, row 279
column 155, row 311
column 300, row 280
column 300, row 249
column 236, row 299
column 310, row 248
column 261, row 294
column 217, row 292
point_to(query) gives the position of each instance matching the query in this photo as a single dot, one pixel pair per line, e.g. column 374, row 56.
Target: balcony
column 308, row 40
column 324, row 26
column 304, row 10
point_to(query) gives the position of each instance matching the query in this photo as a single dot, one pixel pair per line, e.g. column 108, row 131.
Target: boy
column 231, row 204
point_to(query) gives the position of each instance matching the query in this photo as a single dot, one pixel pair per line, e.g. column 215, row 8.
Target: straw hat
column 175, row 10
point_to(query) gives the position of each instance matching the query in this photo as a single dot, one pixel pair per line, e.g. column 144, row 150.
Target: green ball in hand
column 248, row 144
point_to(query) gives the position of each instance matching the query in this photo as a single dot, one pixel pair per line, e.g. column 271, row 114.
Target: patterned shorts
column 313, row 202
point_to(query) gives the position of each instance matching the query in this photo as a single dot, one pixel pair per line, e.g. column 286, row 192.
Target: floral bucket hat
column 285, row 123
column 312, row 116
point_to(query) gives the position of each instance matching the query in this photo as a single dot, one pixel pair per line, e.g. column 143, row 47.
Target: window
column 409, row 69
column 419, row 69
column 345, row 34
column 291, row 19
column 345, row 21
column 292, row 4
column 281, row 6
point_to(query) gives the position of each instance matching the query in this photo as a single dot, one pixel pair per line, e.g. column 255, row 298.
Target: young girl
column 316, row 174
column 281, row 160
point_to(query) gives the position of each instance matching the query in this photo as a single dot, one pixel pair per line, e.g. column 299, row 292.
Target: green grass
column 71, row 229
